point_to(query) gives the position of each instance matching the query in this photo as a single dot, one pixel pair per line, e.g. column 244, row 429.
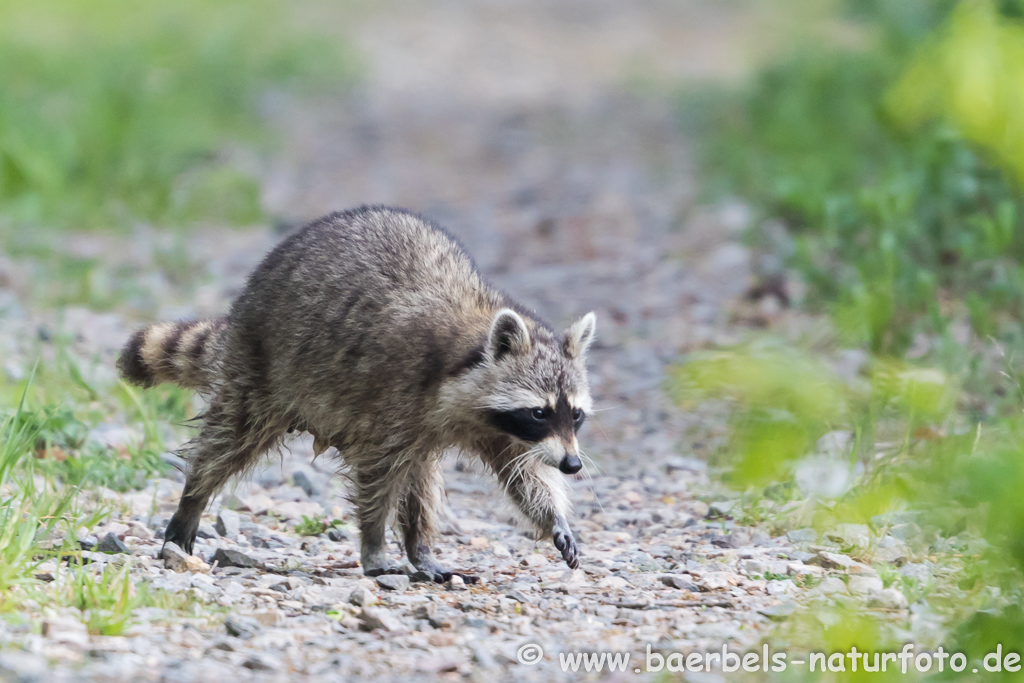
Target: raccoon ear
column 579, row 335
column 508, row 334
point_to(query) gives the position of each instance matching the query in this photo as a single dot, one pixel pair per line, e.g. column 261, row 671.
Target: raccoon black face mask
column 372, row 330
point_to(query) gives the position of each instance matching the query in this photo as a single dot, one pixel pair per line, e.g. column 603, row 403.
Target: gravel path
column 530, row 134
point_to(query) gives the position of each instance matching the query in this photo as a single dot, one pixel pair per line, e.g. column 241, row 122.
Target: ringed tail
column 184, row 353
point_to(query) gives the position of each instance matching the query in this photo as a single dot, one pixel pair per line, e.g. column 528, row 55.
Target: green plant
column 30, row 510
column 896, row 230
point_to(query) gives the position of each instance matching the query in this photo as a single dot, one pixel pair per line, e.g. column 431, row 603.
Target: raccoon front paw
column 429, row 571
column 566, row 545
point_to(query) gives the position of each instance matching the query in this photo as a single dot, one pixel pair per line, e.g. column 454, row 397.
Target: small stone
column 228, row 524
column 612, row 582
column 233, row 558
column 66, row 631
column 918, row 571
column 799, row 555
column 677, row 581
column 906, row 532
column 86, row 541
column 779, row 612
column 139, row 530
column 806, row 535
column 851, row 534
column 831, row 584
column 801, row 569
column 721, row 508
column 241, row 626
column 865, row 585
column 534, row 560
column 378, row 618
column 361, row 597
column 111, row 544
column 456, row 583
column 753, row 567
column 500, row 551
column 269, row 617
column 302, row 480
column 337, row 535
column 427, row 611
column 207, row 531
column 174, row 558
column 833, row 560
column 262, row 661
column 175, row 461
column 195, row 564
column 393, row 582
column 518, row 596
column 888, row 598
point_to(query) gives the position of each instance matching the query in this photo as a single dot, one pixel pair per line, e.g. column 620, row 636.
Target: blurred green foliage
column 114, row 112
column 896, row 170
column 896, row 229
column 958, row 486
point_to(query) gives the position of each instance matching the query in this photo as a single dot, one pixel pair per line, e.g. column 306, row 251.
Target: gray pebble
column 225, row 557
column 207, row 531
column 241, row 626
column 393, row 582
column 228, row 524
column 378, row 618
column 301, row 479
column 111, row 544
column 677, row 581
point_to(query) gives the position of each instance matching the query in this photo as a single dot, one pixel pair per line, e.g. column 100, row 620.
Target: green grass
column 113, row 113
column 315, row 525
column 42, row 506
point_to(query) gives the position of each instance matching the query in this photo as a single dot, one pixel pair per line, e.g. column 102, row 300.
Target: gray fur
column 372, row 330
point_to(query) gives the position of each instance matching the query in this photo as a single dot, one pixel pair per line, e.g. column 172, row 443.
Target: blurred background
column 799, row 222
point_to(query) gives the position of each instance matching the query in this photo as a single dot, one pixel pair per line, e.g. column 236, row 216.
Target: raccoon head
column 537, row 392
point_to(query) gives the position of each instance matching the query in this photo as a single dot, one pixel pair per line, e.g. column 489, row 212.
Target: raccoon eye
column 577, row 414
column 538, row 414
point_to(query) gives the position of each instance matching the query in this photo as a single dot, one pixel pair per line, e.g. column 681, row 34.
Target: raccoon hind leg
column 417, row 518
column 374, row 497
column 228, row 443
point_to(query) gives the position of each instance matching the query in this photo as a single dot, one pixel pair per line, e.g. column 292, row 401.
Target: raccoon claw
column 380, row 571
column 566, row 545
column 442, row 576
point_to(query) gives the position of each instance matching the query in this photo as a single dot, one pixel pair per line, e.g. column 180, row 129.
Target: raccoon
column 372, row 330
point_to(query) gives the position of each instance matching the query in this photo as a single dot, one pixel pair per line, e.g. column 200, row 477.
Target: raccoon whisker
column 584, row 459
column 517, row 465
column 600, row 428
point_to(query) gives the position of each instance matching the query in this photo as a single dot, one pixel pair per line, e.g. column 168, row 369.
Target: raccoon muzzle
column 182, row 353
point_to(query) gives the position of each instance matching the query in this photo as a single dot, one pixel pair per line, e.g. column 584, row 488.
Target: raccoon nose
column 570, row 464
